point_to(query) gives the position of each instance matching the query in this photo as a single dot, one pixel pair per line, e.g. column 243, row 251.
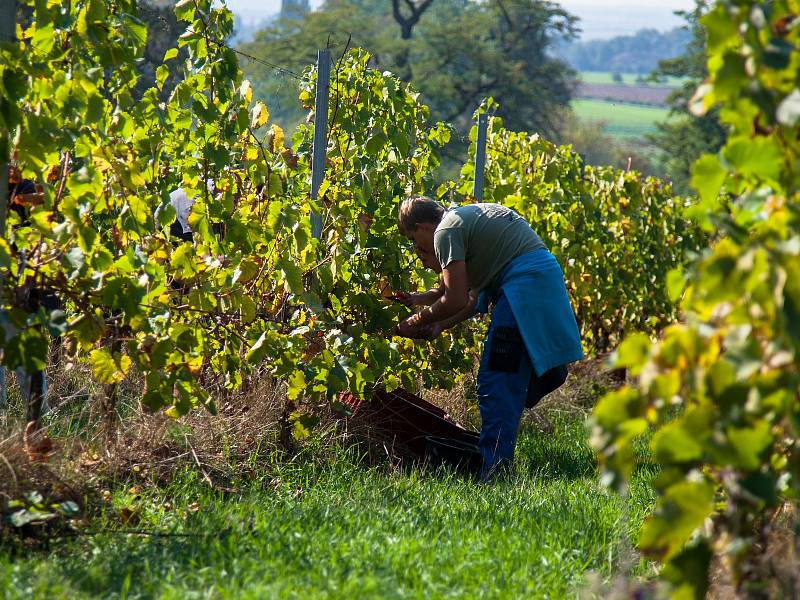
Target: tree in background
column 455, row 52
column 294, row 9
column 407, row 14
column 685, row 137
column 163, row 30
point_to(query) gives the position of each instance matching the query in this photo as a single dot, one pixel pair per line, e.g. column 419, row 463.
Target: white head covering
column 183, row 206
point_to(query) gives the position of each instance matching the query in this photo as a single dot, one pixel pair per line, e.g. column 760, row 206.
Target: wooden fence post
column 320, row 133
column 480, row 157
column 8, row 26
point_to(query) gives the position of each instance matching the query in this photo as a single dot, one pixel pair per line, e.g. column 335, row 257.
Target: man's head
column 417, row 210
column 417, row 220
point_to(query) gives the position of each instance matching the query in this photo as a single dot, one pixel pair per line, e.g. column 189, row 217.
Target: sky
column 600, row 19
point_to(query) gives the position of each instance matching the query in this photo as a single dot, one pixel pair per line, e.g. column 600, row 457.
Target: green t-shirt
column 486, row 237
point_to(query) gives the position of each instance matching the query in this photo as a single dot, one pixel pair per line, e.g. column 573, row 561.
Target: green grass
column 622, row 120
column 331, row 528
column 607, row 78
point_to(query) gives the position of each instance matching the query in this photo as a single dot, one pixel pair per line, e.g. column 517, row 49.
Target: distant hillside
column 637, row 53
column 243, row 30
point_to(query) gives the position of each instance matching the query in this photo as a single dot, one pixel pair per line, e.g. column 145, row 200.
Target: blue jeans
column 503, row 380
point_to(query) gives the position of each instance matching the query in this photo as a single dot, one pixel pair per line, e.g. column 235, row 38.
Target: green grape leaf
column 28, row 348
column 681, row 509
column 292, row 275
column 247, row 309
column 708, row 175
column 688, row 572
column 746, row 444
column 674, row 443
column 108, row 368
column 757, row 157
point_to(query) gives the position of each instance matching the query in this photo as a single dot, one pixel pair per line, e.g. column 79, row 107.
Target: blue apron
column 534, row 286
column 531, row 303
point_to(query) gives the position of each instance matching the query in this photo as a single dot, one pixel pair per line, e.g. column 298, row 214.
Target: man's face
column 422, row 238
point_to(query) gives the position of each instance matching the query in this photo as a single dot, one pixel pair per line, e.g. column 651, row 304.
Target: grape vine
column 254, row 289
column 720, row 389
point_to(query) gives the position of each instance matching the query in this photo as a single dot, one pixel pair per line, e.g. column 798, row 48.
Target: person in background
column 22, row 194
column 182, row 204
column 488, row 255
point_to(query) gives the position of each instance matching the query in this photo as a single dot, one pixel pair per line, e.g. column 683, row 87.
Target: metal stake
column 320, row 133
column 480, row 157
column 8, row 26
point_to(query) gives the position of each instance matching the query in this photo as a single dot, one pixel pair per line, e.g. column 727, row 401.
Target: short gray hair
column 416, row 210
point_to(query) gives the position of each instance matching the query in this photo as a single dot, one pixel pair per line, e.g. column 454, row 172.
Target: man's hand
column 419, row 299
column 411, row 328
column 432, row 331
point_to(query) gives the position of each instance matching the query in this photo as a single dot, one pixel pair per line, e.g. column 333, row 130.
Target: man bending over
column 488, row 255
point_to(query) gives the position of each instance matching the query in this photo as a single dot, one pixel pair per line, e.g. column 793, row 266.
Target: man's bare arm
column 431, row 331
column 422, row 298
column 466, row 313
column 452, row 305
column 454, row 299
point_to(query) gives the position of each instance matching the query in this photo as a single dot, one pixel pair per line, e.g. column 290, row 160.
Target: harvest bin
column 415, row 428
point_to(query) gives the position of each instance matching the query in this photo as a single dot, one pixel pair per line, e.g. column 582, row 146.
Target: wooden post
column 320, row 133
column 480, row 157
column 8, row 26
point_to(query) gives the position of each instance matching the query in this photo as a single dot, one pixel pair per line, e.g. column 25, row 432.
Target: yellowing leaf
column 259, row 115
column 278, row 138
column 246, row 91
column 194, row 364
column 297, row 384
column 251, row 153
column 107, row 368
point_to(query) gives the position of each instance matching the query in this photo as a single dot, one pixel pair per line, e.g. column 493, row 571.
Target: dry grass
column 250, row 421
column 251, row 429
column 146, row 448
column 772, row 571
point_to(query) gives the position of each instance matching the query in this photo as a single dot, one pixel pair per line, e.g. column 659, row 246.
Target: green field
column 607, row 78
column 325, row 526
column 621, row 120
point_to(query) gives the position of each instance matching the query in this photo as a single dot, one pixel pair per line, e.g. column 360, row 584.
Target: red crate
column 405, row 420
